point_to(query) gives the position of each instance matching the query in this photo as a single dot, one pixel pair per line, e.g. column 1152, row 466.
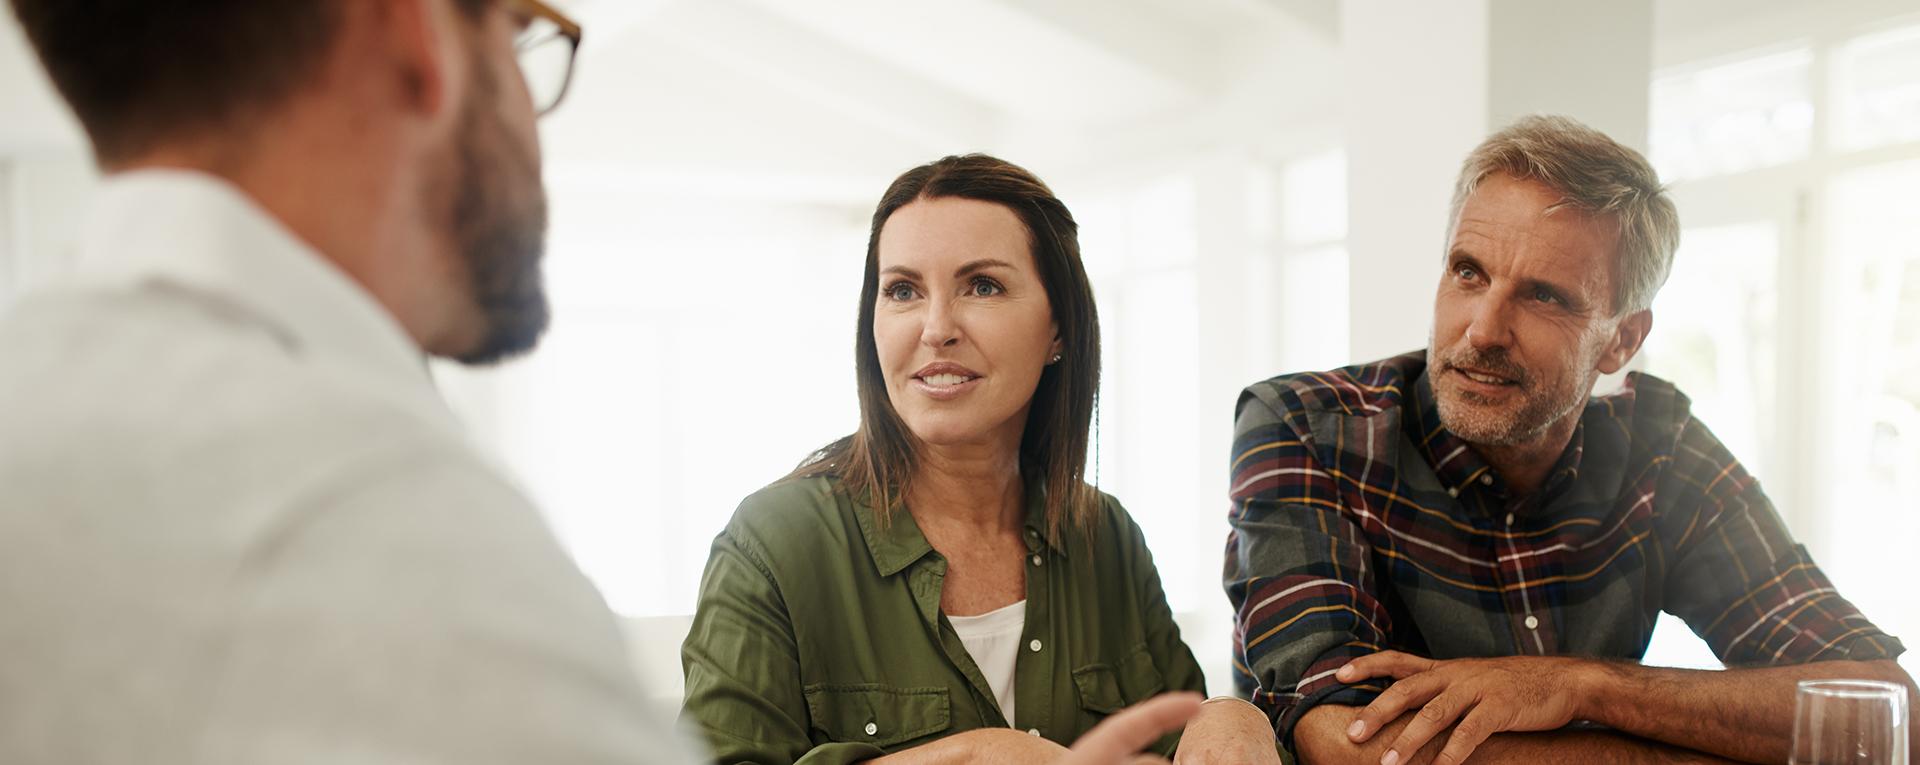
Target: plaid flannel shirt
column 1360, row 524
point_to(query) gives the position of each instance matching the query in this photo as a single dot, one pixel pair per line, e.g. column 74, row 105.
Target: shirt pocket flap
column 1108, row 688
column 877, row 714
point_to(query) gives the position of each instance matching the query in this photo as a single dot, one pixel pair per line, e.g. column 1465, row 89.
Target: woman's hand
column 981, row 745
column 1228, row 730
column 1117, row 740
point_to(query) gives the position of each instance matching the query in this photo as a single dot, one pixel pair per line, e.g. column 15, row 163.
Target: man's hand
column 1118, row 739
column 1475, row 697
column 1228, row 730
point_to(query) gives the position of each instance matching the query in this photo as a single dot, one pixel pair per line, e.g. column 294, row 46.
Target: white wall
column 1426, row 82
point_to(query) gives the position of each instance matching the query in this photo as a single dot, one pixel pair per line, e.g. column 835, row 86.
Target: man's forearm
column 1743, row 714
column 1320, row 739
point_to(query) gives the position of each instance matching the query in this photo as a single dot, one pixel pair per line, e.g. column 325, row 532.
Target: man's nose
column 1491, row 325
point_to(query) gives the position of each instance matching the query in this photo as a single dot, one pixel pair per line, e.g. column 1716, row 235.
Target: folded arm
column 1321, row 739
column 1742, row 714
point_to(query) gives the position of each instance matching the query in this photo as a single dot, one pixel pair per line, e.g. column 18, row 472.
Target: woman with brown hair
column 942, row 585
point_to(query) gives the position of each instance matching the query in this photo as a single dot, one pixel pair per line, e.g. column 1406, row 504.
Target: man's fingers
column 1436, row 716
column 1473, row 730
column 1403, row 696
column 1392, row 664
column 1116, row 739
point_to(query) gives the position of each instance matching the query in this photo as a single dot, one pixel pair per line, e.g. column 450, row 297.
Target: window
column 1869, row 499
column 1730, row 117
column 1792, row 317
column 1715, row 333
column 1877, row 90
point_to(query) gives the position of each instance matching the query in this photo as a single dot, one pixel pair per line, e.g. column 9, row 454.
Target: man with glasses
column 237, row 523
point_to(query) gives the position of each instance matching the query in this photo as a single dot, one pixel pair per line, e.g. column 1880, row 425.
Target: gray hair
column 1596, row 175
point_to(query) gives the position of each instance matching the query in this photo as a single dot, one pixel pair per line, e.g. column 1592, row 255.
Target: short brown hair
column 878, row 460
column 140, row 72
column 1595, row 174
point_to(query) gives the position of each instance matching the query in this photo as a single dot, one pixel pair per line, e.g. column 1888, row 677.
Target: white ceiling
column 831, row 93
column 818, row 99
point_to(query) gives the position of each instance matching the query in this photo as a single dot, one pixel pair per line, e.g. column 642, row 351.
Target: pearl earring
column 1055, row 359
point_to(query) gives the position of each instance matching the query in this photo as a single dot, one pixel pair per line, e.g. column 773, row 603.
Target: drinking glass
column 1849, row 722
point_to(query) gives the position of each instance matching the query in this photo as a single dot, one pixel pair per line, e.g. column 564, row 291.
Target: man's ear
column 1628, row 336
column 416, row 35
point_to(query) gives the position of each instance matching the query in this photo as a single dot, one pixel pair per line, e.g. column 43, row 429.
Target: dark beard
column 500, row 236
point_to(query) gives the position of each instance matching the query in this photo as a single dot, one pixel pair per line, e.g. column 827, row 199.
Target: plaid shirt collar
column 1461, row 469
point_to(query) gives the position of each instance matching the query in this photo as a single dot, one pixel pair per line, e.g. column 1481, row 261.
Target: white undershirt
column 993, row 640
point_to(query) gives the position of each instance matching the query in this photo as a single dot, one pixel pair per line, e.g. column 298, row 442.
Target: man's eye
column 1545, row 296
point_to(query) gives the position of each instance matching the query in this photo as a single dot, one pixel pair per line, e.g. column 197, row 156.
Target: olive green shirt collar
column 898, row 543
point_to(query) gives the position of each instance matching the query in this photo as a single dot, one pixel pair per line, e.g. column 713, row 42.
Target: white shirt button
column 1509, row 519
column 1033, row 731
column 1036, row 560
column 872, row 729
column 1486, row 480
column 1533, row 622
column 1034, row 646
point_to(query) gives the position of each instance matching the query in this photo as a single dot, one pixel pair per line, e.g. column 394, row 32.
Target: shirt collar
column 899, row 542
column 1455, row 463
column 196, row 231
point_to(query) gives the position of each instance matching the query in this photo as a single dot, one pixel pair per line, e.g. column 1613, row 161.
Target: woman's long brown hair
column 877, row 462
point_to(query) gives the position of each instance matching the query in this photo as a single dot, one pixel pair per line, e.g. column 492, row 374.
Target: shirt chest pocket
column 1108, row 687
column 877, row 714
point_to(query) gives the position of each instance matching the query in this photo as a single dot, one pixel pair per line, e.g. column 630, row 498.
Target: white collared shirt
column 238, row 525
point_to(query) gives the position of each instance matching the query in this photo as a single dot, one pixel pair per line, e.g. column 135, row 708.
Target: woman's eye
column 900, row 291
column 986, row 288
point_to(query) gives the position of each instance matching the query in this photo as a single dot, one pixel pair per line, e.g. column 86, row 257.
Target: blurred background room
column 1261, row 187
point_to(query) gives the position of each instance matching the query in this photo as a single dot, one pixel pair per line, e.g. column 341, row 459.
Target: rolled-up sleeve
column 1297, row 572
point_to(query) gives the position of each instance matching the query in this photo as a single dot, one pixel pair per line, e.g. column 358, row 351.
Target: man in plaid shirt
column 1457, row 551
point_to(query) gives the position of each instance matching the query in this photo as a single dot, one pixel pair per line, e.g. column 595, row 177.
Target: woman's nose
column 940, row 329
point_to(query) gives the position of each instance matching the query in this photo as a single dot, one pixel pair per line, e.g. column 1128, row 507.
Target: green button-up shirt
column 819, row 636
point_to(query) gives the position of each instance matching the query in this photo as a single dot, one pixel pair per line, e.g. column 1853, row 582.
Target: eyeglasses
column 546, row 49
